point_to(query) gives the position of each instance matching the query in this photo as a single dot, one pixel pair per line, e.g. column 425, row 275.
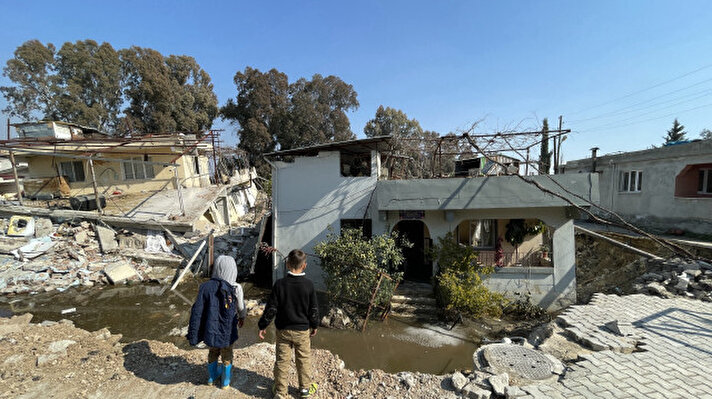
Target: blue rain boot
column 227, row 370
column 213, row 372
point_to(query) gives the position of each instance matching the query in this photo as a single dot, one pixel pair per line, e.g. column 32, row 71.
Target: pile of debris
column 39, row 256
column 677, row 277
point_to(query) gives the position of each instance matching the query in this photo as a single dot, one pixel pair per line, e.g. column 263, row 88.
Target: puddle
column 145, row 312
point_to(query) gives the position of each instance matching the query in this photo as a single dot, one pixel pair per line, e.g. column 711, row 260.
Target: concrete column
column 564, row 259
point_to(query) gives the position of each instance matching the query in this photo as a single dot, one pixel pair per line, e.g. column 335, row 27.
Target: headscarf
column 225, row 268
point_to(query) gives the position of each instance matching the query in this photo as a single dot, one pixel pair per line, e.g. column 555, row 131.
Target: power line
column 643, row 90
column 626, row 109
column 609, row 126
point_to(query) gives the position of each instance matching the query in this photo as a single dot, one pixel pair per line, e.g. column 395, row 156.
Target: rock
column 119, row 271
column 512, row 392
column 647, row 277
column 693, row 273
column 179, row 332
column 408, row 380
column 473, row 391
column 43, row 227
column 682, row 285
column 48, row 323
column 704, row 265
column 60, row 346
column 81, row 237
column 459, row 381
column 107, row 239
column 499, row 382
column 655, row 288
column 44, row 359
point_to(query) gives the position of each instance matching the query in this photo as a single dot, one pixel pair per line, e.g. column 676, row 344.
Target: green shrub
column 459, row 281
column 352, row 263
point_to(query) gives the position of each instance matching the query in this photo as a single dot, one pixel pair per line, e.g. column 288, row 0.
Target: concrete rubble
column 677, row 277
column 79, row 253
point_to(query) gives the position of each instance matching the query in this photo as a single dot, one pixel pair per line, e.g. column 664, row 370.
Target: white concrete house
column 663, row 188
column 341, row 184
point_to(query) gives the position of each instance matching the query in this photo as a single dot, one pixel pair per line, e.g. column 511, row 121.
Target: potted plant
column 544, row 250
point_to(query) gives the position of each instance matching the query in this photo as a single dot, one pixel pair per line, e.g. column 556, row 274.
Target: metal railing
column 529, row 259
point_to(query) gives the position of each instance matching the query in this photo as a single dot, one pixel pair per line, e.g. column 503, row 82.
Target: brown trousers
column 225, row 353
column 300, row 342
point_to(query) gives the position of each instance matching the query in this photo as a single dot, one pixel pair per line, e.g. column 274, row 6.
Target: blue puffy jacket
column 213, row 317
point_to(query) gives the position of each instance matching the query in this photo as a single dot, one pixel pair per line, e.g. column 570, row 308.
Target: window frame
column 493, row 234
column 72, row 178
column 630, row 181
column 136, row 163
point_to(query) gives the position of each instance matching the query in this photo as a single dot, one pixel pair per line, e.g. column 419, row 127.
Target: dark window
column 631, row 182
column 355, row 165
column 704, row 183
column 73, row 171
column 363, row 224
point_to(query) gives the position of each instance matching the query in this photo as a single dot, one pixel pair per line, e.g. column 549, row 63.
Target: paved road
column 676, row 360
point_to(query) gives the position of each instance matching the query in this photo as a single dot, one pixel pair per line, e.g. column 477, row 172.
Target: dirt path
column 57, row 360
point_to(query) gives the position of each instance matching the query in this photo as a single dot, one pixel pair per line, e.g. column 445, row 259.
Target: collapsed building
column 157, row 193
column 348, row 184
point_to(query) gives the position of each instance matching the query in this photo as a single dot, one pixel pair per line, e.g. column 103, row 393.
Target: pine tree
column 545, row 155
column 676, row 133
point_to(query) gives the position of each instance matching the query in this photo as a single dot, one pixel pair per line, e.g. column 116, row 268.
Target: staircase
column 414, row 301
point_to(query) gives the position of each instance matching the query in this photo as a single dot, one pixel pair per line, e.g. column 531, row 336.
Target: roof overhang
column 378, row 143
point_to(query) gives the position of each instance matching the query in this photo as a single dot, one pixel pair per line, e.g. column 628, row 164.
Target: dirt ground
column 57, row 360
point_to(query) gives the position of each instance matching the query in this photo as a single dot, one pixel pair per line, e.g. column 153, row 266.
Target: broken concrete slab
column 155, row 259
column 459, row 381
column 499, row 383
column 473, row 391
column 43, row 227
column 106, row 238
column 119, row 272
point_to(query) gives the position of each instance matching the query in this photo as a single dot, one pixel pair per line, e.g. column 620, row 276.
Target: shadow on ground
column 140, row 360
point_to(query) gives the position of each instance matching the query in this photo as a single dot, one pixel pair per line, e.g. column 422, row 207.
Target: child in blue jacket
column 215, row 317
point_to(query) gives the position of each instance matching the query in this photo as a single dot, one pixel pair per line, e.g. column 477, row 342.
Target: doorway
column 417, row 265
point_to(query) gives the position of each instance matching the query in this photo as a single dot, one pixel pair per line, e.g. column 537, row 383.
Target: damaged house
column 665, row 188
column 165, row 179
column 346, row 184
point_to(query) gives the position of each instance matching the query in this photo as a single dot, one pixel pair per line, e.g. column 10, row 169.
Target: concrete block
column 499, row 383
column 43, row 227
column 459, row 381
column 107, row 239
column 473, row 391
column 119, row 272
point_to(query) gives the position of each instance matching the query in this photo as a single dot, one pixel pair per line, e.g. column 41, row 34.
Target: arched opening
column 417, row 265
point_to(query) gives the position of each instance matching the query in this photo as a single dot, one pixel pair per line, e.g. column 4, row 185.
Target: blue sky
column 618, row 71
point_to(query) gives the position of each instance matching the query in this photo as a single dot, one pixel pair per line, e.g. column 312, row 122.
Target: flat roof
column 377, row 143
column 692, row 147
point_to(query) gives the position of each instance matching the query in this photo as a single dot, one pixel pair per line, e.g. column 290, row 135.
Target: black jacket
column 292, row 305
column 213, row 318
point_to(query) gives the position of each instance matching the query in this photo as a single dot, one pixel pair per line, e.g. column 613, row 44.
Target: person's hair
column 295, row 259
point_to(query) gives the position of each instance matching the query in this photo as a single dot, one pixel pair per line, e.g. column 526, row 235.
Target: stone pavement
column 673, row 358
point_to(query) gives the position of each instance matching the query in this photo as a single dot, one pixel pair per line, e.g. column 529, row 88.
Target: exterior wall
column 656, row 205
column 550, row 287
column 110, row 175
column 309, row 196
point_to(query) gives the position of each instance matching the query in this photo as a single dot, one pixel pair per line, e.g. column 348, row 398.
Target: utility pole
column 558, row 146
column 8, row 128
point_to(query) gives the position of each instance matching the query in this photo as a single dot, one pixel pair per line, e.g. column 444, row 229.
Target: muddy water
column 146, row 312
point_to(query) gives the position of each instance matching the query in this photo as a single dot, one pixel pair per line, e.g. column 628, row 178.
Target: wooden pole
column 370, row 304
column 14, row 174
column 96, row 190
column 180, row 191
column 8, row 128
column 526, row 165
column 187, row 267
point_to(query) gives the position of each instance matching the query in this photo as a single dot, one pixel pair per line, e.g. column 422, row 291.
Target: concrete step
column 409, row 309
column 398, row 299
